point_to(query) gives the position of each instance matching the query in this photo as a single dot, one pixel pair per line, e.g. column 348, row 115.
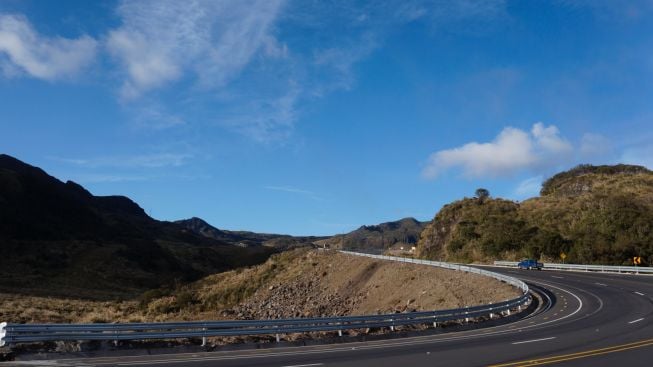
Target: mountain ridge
column 57, row 237
column 380, row 237
column 247, row 238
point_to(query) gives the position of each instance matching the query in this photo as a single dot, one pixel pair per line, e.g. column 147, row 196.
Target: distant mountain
column 57, row 238
column 592, row 214
column 247, row 239
column 379, row 238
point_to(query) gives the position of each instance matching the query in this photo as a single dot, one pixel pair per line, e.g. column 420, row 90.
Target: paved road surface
column 592, row 320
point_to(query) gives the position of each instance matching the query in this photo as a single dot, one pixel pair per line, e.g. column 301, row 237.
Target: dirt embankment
column 299, row 283
column 330, row 284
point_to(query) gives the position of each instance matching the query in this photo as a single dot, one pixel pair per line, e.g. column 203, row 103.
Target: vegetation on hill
column 57, row 238
column 378, row 238
column 594, row 214
column 245, row 238
column 300, row 282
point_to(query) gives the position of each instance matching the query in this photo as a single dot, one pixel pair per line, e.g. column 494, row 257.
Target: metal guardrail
column 28, row 333
column 578, row 267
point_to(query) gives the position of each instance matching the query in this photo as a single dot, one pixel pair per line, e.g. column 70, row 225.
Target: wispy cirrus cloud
column 155, row 160
column 529, row 187
column 192, row 54
column 294, row 190
column 161, row 41
column 102, row 178
column 24, row 51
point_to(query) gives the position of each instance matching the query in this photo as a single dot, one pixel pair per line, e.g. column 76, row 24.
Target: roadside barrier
column 30, row 333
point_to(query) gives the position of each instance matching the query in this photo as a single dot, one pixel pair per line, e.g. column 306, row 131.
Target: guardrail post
column 278, row 338
column 466, row 318
column 3, row 333
column 392, row 327
column 204, row 339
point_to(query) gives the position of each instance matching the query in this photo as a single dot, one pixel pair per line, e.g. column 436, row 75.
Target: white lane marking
column 534, row 340
column 305, row 365
column 557, row 277
column 183, row 357
column 634, row 321
column 641, row 294
column 601, row 284
column 379, row 345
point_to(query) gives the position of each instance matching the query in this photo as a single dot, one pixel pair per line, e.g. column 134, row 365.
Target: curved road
column 591, row 320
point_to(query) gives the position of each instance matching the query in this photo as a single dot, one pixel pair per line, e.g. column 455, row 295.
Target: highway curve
column 591, row 320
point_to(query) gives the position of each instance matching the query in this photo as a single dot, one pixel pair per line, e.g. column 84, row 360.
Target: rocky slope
column 332, row 284
column 594, row 214
column 297, row 283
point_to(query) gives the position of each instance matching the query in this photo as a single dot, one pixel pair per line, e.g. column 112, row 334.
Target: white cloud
column 161, row 41
column 548, row 138
column 48, row 58
column 512, row 150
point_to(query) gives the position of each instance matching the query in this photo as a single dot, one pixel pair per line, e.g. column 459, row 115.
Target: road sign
column 563, row 255
column 637, row 260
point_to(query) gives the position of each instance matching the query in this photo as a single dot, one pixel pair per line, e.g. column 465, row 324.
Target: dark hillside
column 57, row 238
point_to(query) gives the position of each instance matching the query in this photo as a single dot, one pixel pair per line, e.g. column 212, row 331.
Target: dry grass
column 376, row 287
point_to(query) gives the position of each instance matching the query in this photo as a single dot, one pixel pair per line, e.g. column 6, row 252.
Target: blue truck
column 530, row 264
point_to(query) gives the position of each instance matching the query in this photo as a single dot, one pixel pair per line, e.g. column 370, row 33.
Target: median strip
column 572, row 356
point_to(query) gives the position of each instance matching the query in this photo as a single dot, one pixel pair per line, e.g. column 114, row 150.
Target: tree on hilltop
column 482, row 194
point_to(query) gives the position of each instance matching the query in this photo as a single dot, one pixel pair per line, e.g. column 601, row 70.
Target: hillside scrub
column 595, row 215
column 298, row 283
column 378, row 238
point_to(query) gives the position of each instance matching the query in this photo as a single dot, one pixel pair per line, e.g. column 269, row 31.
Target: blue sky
column 311, row 117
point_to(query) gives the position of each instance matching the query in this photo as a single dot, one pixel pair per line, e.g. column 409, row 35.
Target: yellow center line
column 572, row 356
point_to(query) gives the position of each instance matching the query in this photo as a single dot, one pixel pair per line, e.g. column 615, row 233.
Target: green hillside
column 594, row 214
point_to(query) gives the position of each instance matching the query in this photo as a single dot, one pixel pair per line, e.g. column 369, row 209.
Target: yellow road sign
column 637, row 260
column 563, row 255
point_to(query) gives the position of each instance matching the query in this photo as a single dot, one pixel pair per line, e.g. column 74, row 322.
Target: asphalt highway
column 587, row 319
